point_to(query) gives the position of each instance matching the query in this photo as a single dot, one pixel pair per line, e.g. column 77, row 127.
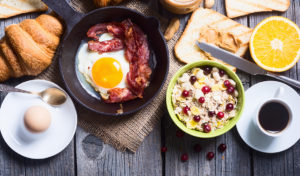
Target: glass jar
column 181, row 6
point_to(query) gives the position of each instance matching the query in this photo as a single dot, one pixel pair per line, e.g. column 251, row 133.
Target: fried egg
column 103, row 71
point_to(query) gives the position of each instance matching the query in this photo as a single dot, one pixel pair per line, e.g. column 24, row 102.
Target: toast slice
column 9, row 8
column 186, row 49
column 236, row 8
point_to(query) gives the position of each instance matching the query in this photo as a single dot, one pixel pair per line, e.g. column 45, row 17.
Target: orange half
column 275, row 44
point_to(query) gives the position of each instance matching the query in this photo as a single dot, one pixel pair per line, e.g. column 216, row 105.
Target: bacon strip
column 118, row 95
column 115, row 44
column 138, row 54
column 96, row 30
column 113, row 28
column 116, row 30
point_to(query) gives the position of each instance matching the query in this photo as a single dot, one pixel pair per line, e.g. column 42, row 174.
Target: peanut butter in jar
column 181, row 6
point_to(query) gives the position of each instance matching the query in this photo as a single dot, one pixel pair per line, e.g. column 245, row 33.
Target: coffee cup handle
column 279, row 92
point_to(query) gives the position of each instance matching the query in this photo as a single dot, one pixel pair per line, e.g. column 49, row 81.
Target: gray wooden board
column 88, row 156
column 281, row 163
column 12, row 163
column 96, row 158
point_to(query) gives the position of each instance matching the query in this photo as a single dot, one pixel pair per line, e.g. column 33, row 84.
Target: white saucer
column 47, row 144
column 255, row 138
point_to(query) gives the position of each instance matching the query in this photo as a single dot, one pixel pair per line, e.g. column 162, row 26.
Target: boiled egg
column 103, row 71
column 37, row 119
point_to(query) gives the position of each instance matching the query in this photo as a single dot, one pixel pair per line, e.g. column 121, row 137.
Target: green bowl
column 230, row 124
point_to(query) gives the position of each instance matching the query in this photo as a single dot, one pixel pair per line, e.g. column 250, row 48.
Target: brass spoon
column 52, row 96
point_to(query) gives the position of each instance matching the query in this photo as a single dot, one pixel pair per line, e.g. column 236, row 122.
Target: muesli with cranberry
column 205, row 98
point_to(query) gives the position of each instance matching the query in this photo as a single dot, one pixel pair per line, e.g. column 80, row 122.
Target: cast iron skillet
column 77, row 25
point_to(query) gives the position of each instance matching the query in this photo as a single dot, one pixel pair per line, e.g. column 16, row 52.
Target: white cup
column 277, row 98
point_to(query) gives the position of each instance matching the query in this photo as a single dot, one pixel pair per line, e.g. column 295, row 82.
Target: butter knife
column 243, row 64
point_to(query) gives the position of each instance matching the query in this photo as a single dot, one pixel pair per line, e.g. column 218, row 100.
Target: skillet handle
column 154, row 22
column 64, row 10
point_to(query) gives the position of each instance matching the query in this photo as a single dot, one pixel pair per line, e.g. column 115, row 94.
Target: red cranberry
column 179, row 133
column 230, row 89
column 220, row 115
column 205, row 89
column 206, row 128
column 222, row 147
column 221, row 72
column 185, row 93
column 185, row 110
column 211, row 113
column 197, row 148
column 229, row 107
column 164, row 149
column 201, row 100
column 197, row 118
column 210, row 155
column 193, row 79
column 207, row 70
column 184, row 157
column 226, row 83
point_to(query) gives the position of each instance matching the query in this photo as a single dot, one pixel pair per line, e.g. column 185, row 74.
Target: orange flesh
column 276, row 44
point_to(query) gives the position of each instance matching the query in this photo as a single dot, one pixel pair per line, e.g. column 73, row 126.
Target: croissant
column 28, row 47
column 103, row 3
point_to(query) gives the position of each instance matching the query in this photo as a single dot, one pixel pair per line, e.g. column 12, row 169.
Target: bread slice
column 236, row 8
column 9, row 8
column 186, row 49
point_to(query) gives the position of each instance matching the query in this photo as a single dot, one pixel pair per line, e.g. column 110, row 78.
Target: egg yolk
column 107, row 72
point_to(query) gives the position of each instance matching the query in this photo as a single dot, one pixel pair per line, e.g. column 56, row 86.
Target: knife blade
column 232, row 59
column 243, row 64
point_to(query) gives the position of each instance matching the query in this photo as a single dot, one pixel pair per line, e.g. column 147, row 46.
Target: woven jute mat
column 123, row 132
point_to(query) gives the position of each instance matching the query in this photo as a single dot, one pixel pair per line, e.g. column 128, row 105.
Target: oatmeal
column 205, row 98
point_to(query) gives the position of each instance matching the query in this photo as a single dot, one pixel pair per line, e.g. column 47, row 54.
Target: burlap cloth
column 123, row 132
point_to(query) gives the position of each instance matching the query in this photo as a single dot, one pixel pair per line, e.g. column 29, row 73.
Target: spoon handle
column 6, row 88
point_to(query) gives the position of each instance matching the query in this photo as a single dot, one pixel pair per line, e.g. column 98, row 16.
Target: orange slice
column 275, row 44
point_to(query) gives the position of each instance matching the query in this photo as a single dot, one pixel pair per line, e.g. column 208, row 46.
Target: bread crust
column 28, row 47
column 182, row 35
column 41, row 7
column 5, row 72
column 247, row 7
column 11, row 59
column 51, row 24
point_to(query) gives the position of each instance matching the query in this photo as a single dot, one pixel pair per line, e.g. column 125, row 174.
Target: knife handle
column 285, row 79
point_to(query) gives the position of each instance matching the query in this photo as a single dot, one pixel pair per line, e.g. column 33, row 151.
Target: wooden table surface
column 87, row 155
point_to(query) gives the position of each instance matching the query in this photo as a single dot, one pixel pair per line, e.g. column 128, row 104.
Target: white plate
column 255, row 138
column 47, row 144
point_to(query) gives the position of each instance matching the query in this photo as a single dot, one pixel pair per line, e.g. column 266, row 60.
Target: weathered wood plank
column 281, row 163
column 96, row 158
column 13, row 164
column 61, row 164
column 197, row 163
column 295, row 161
column 236, row 160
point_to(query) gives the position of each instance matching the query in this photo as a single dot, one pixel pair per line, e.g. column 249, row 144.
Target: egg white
column 86, row 60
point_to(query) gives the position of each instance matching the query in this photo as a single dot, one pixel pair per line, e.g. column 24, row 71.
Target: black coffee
column 273, row 117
